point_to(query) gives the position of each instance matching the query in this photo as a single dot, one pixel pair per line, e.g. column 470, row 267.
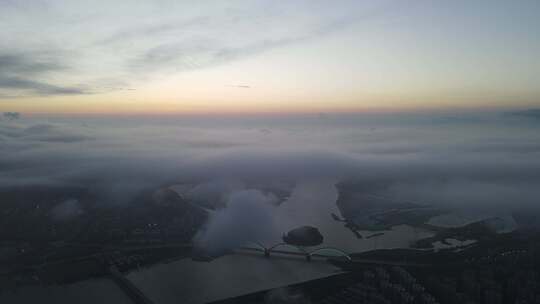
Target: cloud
column 152, row 39
column 208, row 50
column 192, row 55
column 14, row 63
column 220, row 39
column 137, row 32
column 18, row 73
column 43, row 132
column 416, row 160
column 36, row 87
column 12, row 115
column 470, row 194
column 530, row 113
column 491, row 169
column 67, row 210
column 248, row 217
column 51, row 133
column 214, row 193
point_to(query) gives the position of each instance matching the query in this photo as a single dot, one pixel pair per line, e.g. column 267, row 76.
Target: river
column 185, row 281
column 311, row 203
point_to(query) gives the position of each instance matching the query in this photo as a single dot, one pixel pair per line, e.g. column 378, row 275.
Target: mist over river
column 311, row 203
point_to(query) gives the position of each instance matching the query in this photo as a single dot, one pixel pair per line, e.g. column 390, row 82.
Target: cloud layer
column 480, row 163
column 486, row 164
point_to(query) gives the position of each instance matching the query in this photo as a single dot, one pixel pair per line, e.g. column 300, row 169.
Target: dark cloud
column 36, row 87
column 20, row 73
column 12, row 115
column 530, row 113
column 14, row 63
column 43, row 132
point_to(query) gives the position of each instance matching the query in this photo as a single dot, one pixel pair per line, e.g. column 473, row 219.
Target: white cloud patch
column 67, row 210
column 248, row 217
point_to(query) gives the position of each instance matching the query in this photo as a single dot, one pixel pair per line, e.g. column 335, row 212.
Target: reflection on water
column 311, row 203
column 505, row 223
column 452, row 243
column 186, row 281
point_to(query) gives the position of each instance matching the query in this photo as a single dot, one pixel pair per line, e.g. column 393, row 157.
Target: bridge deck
column 131, row 290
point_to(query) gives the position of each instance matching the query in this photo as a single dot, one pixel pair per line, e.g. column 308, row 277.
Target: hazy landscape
column 130, row 184
column 263, row 152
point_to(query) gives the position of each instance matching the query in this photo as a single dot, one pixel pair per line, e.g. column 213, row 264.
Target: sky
column 169, row 57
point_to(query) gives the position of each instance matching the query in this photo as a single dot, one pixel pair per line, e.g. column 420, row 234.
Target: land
column 501, row 269
column 40, row 245
column 368, row 207
column 64, row 234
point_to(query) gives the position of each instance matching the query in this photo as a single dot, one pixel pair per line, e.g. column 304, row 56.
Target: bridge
column 349, row 262
column 298, row 251
column 137, row 296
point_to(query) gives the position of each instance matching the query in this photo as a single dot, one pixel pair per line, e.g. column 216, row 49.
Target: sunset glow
column 257, row 56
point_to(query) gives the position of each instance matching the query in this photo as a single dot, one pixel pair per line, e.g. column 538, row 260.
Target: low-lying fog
column 475, row 162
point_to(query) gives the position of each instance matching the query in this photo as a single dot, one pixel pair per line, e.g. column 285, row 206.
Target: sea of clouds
column 470, row 161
